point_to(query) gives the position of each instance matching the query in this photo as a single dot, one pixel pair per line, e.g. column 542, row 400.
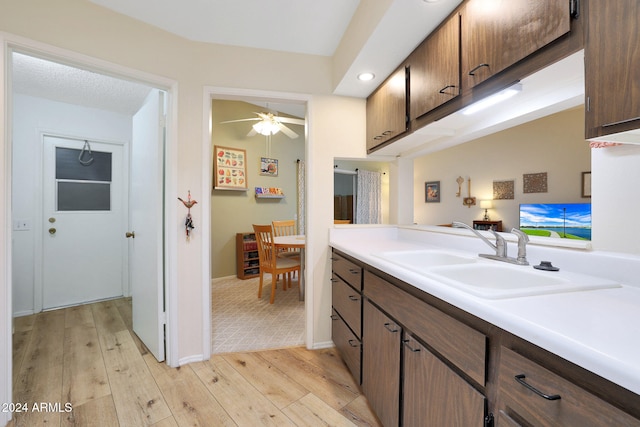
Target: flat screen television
column 559, row 220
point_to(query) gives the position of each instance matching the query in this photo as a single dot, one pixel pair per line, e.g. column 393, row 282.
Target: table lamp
column 486, row 205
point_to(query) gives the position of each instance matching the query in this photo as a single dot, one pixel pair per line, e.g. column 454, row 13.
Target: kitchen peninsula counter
column 597, row 330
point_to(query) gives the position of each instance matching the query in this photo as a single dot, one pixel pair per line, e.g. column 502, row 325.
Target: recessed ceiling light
column 365, row 77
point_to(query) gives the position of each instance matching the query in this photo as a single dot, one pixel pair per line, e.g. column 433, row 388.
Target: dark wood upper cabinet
column 387, row 110
column 612, row 67
column 496, row 34
column 434, row 69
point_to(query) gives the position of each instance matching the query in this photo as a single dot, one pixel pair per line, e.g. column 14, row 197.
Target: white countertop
column 598, row 330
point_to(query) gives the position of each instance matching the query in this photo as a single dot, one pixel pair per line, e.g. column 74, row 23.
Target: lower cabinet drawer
column 348, row 303
column 348, row 344
column 529, row 394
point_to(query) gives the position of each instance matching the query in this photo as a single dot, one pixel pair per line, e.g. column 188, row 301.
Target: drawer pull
column 354, row 271
column 406, row 343
column 354, row 343
column 334, row 317
column 520, row 378
column 334, row 280
column 474, row 69
column 390, row 328
column 354, row 298
column 334, row 258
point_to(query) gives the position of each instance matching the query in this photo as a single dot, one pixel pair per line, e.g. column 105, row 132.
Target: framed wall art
column 268, row 166
column 432, row 192
column 586, row 184
column 230, row 168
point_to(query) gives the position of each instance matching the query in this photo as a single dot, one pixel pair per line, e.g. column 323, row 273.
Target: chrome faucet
column 523, row 239
column 501, row 245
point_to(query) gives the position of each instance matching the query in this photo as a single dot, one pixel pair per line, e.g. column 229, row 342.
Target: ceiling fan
column 270, row 124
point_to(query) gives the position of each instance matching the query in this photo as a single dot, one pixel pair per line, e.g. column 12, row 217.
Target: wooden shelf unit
column 247, row 262
column 488, row 225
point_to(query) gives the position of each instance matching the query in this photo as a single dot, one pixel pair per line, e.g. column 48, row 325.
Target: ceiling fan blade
column 252, row 132
column 290, row 120
column 241, row 120
column 291, row 134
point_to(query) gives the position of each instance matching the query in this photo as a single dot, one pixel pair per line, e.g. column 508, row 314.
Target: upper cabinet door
column 612, row 68
column 499, row 33
column 434, row 69
column 387, row 110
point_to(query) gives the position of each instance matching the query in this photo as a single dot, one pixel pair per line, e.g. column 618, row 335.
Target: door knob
column 52, row 231
column 131, row 234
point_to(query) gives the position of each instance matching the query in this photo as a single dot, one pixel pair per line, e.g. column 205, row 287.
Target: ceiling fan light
column 266, row 128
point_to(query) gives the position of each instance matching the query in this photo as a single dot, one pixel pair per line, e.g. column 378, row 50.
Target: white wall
column 554, row 144
column 616, row 201
column 31, row 118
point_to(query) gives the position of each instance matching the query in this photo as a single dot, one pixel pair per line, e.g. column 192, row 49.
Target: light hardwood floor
column 87, row 357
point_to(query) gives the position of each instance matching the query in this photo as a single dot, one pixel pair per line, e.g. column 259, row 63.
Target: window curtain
column 300, row 188
column 369, row 198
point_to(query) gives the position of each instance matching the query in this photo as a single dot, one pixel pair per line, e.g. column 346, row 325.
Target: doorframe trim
column 9, row 43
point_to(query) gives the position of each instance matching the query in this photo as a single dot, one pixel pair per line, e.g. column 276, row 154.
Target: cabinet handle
column 354, row 298
column 332, row 258
column 621, row 122
column 334, row 280
column 391, row 328
column 406, row 343
column 353, row 343
column 334, row 317
column 520, row 378
column 475, row 68
column 377, row 137
column 354, row 271
column 387, row 132
column 446, row 87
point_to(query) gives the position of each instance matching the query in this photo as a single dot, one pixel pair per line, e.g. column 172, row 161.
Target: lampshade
column 266, row 128
column 486, row 204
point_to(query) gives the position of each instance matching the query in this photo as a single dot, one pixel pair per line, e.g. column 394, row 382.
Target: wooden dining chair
column 286, row 227
column 270, row 262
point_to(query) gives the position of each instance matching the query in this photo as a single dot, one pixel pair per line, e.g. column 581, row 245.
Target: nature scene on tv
column 558, row 220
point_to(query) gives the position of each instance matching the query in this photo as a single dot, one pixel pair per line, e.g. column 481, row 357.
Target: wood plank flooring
column 83, row 366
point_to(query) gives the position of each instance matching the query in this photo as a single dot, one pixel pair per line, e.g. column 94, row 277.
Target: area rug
column 242, row 322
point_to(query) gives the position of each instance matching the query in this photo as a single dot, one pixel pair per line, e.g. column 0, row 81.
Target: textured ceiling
column 62, row 83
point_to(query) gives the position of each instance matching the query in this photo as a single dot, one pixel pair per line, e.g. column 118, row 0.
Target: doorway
column 234, row 212
column 70, row 225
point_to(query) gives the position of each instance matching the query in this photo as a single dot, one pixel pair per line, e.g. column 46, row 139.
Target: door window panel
column 82, row 186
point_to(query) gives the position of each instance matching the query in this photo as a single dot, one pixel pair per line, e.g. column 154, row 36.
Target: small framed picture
column 268, row 167
column 432, row 192
column 586, row 184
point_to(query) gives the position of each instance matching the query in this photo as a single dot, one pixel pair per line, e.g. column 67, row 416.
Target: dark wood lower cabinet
column 434, row 395
column 381, row 364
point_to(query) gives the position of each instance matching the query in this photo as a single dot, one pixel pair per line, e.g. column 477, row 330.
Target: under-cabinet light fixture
column 493, row 99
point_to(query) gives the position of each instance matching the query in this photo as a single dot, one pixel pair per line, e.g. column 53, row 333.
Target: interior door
column 84, row 217
column 146, row 224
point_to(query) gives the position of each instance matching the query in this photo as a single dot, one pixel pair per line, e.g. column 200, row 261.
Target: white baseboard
column 321, row 345
column 191, row 359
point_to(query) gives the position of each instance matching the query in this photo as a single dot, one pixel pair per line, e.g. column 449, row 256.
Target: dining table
column 294, row 241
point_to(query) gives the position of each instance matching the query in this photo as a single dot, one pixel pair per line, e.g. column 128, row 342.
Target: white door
column 146, row 208
column 83, row 223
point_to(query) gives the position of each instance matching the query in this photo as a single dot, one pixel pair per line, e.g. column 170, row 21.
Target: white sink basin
column 494, row 280
column 424, row 260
